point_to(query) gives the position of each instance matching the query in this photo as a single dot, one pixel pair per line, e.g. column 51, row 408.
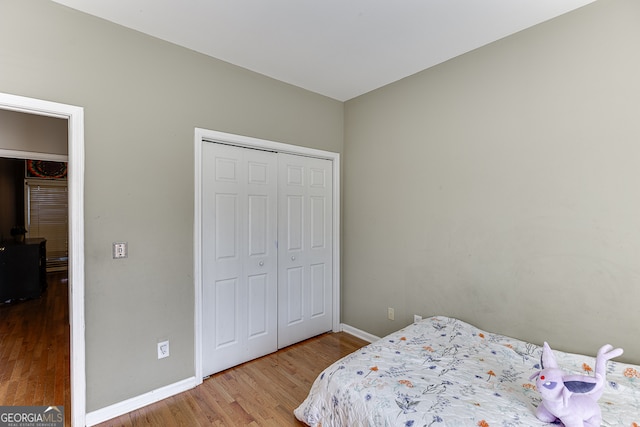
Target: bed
column 445, row 372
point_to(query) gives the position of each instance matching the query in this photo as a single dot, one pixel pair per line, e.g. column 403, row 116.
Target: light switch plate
column 120, row 250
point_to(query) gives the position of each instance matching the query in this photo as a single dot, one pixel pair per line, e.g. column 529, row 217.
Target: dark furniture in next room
column 23, row 269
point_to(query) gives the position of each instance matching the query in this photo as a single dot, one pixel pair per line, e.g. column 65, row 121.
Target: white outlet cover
column 163, row 349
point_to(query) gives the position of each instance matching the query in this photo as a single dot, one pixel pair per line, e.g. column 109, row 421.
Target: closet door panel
column 305, row 258
column 258, row 315
column 295, row 222
column 226, row 312
column 293, row 307
column 318, row 223
column 258, row 223
column 318, row 290
column 239, row 255
column 226, row 216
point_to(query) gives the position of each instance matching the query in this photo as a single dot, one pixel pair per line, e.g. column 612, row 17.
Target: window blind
column 47, row 206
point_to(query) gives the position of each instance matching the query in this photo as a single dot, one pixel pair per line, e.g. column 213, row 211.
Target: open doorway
column 73, row 118
column 34, row 303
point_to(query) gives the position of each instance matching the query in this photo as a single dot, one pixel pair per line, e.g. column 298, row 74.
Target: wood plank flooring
column 263, row 392
column 34, row 349
column 34, row 370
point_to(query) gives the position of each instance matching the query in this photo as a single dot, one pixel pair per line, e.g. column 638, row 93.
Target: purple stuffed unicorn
column 572, row 399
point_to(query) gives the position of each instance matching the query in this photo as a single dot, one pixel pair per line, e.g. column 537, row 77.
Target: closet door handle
column 293, row 257
column 261, row 263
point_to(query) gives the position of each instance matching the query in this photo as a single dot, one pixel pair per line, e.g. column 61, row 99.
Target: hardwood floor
column 263, row 392
column 34, row 349
column 34, row 370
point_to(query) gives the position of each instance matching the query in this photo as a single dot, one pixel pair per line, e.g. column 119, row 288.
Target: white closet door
column 305, row 268
column 239, row 255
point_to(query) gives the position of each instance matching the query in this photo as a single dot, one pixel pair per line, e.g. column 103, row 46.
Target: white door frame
column 75, row 118
column 203, row 136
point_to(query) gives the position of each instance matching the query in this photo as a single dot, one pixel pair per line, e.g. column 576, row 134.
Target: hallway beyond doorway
column 34, row 349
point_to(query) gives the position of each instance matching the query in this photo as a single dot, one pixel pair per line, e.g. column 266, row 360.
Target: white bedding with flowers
column 444, row 372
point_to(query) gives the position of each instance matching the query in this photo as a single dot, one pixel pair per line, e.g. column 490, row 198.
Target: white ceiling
column 337, row 48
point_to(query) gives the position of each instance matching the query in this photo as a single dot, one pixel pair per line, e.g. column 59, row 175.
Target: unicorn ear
column 548, row 359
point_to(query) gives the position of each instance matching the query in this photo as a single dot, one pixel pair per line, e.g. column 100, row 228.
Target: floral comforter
column 444, row 372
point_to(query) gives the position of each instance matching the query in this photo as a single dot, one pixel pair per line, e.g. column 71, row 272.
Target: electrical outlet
column 163, row 349
column 390, row 313
column 120, row 250
column 416, row 318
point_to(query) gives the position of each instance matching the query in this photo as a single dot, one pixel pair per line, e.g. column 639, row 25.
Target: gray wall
column 501, row 187
column 32, row 133
column 143, row 98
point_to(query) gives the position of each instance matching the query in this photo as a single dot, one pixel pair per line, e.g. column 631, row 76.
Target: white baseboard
column 359, row 333
column 126, row 406
column 129, row 405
